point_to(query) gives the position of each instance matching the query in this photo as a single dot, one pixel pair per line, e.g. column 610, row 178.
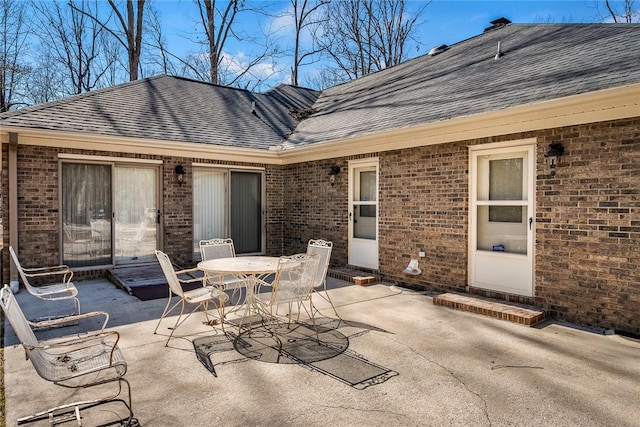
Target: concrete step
column 523, row 315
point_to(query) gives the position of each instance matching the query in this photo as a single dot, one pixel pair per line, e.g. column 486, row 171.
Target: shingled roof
column 173, row 109
column 536, row 62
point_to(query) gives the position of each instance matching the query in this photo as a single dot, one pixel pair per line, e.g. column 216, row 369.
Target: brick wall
column 587, row 223
column 587, row 216
column 588, row 226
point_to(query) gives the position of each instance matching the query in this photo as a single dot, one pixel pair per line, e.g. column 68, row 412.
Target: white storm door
column 363, row 213
column 502, row 219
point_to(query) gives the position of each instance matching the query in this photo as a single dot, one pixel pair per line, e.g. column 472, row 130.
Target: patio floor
column 396, row 360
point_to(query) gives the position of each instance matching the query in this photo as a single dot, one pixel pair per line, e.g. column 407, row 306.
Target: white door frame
column 509, row 271
column 363, row 251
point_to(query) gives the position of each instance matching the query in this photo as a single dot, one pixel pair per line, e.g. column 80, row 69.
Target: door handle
column 530, row 222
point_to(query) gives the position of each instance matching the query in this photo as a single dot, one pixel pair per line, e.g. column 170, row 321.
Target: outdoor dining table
column 255, row 271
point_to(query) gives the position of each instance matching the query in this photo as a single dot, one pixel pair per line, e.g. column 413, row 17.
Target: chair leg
column 76, row 305
column 166, row 311
column 177, row 324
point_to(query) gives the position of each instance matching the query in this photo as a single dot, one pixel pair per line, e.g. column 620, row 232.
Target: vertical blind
column 209, row 205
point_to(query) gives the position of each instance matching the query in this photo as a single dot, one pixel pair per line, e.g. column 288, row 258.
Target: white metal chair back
column 323, row 249
column 295, row 279
column 170, row 274
column 217, row 248
column 17, row 319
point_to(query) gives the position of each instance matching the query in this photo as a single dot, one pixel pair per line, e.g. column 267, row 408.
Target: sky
column 442, row 22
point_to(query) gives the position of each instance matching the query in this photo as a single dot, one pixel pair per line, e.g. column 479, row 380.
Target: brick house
column 511, row 160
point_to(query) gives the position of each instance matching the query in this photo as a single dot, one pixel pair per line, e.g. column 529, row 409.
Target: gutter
column 604, row 105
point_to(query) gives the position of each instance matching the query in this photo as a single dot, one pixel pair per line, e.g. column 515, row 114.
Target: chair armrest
column 188, row 272
column 71, row 344
column 50, row 271
column 67, row 319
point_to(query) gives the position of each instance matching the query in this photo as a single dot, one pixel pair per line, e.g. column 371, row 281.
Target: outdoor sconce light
column 179, row 170
column 552, row 156
column 335, row 170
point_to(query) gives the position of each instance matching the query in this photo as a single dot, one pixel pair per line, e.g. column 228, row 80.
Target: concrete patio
column 435, row 366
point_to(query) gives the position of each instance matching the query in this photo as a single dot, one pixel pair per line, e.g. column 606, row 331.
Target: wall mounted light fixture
column 180, row 172
column 333, row 171
column 552, row 157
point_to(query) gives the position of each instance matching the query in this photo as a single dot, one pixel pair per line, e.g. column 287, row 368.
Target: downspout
column 13, row 207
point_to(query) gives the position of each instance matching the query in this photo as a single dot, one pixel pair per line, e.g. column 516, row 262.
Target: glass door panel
column 210, row 218
column 86, row 214
column 135, row 214
column 246, row 212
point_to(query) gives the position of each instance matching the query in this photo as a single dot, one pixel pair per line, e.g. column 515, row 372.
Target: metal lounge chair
column 76, row 362
column 63, row 289
column 200, row 297
column 323, row 249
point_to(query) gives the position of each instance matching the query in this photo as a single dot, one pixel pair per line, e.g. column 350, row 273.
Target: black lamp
column 179, row 170
column 552, row 156
column 333, row 171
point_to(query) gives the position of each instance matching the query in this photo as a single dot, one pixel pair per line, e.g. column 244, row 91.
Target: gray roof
column 540, row 62
column 173, row 109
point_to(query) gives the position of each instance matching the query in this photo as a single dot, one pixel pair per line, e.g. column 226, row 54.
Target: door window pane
column 209, row 206
column 246, row 211
column 504, row 236
column 505, row 179
column 367, row 186
column 136, row 190
column 86, row 214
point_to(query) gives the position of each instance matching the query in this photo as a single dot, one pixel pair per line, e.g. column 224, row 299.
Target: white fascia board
column 609, row 104
column 83, row 141
column 593, row 107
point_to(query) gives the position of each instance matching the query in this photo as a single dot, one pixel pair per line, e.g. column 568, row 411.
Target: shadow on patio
column 396, row 359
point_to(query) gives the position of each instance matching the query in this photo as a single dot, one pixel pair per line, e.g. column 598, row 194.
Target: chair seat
column 199, row 295
column 73, row 368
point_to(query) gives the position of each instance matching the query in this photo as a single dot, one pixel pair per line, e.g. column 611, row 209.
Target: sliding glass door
column 109, row 213
column 228, row 203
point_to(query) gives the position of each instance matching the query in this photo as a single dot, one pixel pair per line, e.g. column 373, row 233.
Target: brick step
column 358, row 277
column 499, row 310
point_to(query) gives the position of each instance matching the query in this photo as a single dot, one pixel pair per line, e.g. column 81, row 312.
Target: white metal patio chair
column 293, row 284
column 63, row 289
column 323, row 249
column 220, row 248
column 200, row 297
column 75, row 362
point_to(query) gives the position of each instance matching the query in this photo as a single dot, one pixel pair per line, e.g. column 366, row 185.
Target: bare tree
column 128, row 31
column 305, row 14
column 74, row 41
column 217, row 32
column 625, row 14
column 13, row 53
column 363, row 36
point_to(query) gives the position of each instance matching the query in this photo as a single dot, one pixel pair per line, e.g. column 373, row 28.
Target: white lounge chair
column 61, row 289
column 74, row 362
